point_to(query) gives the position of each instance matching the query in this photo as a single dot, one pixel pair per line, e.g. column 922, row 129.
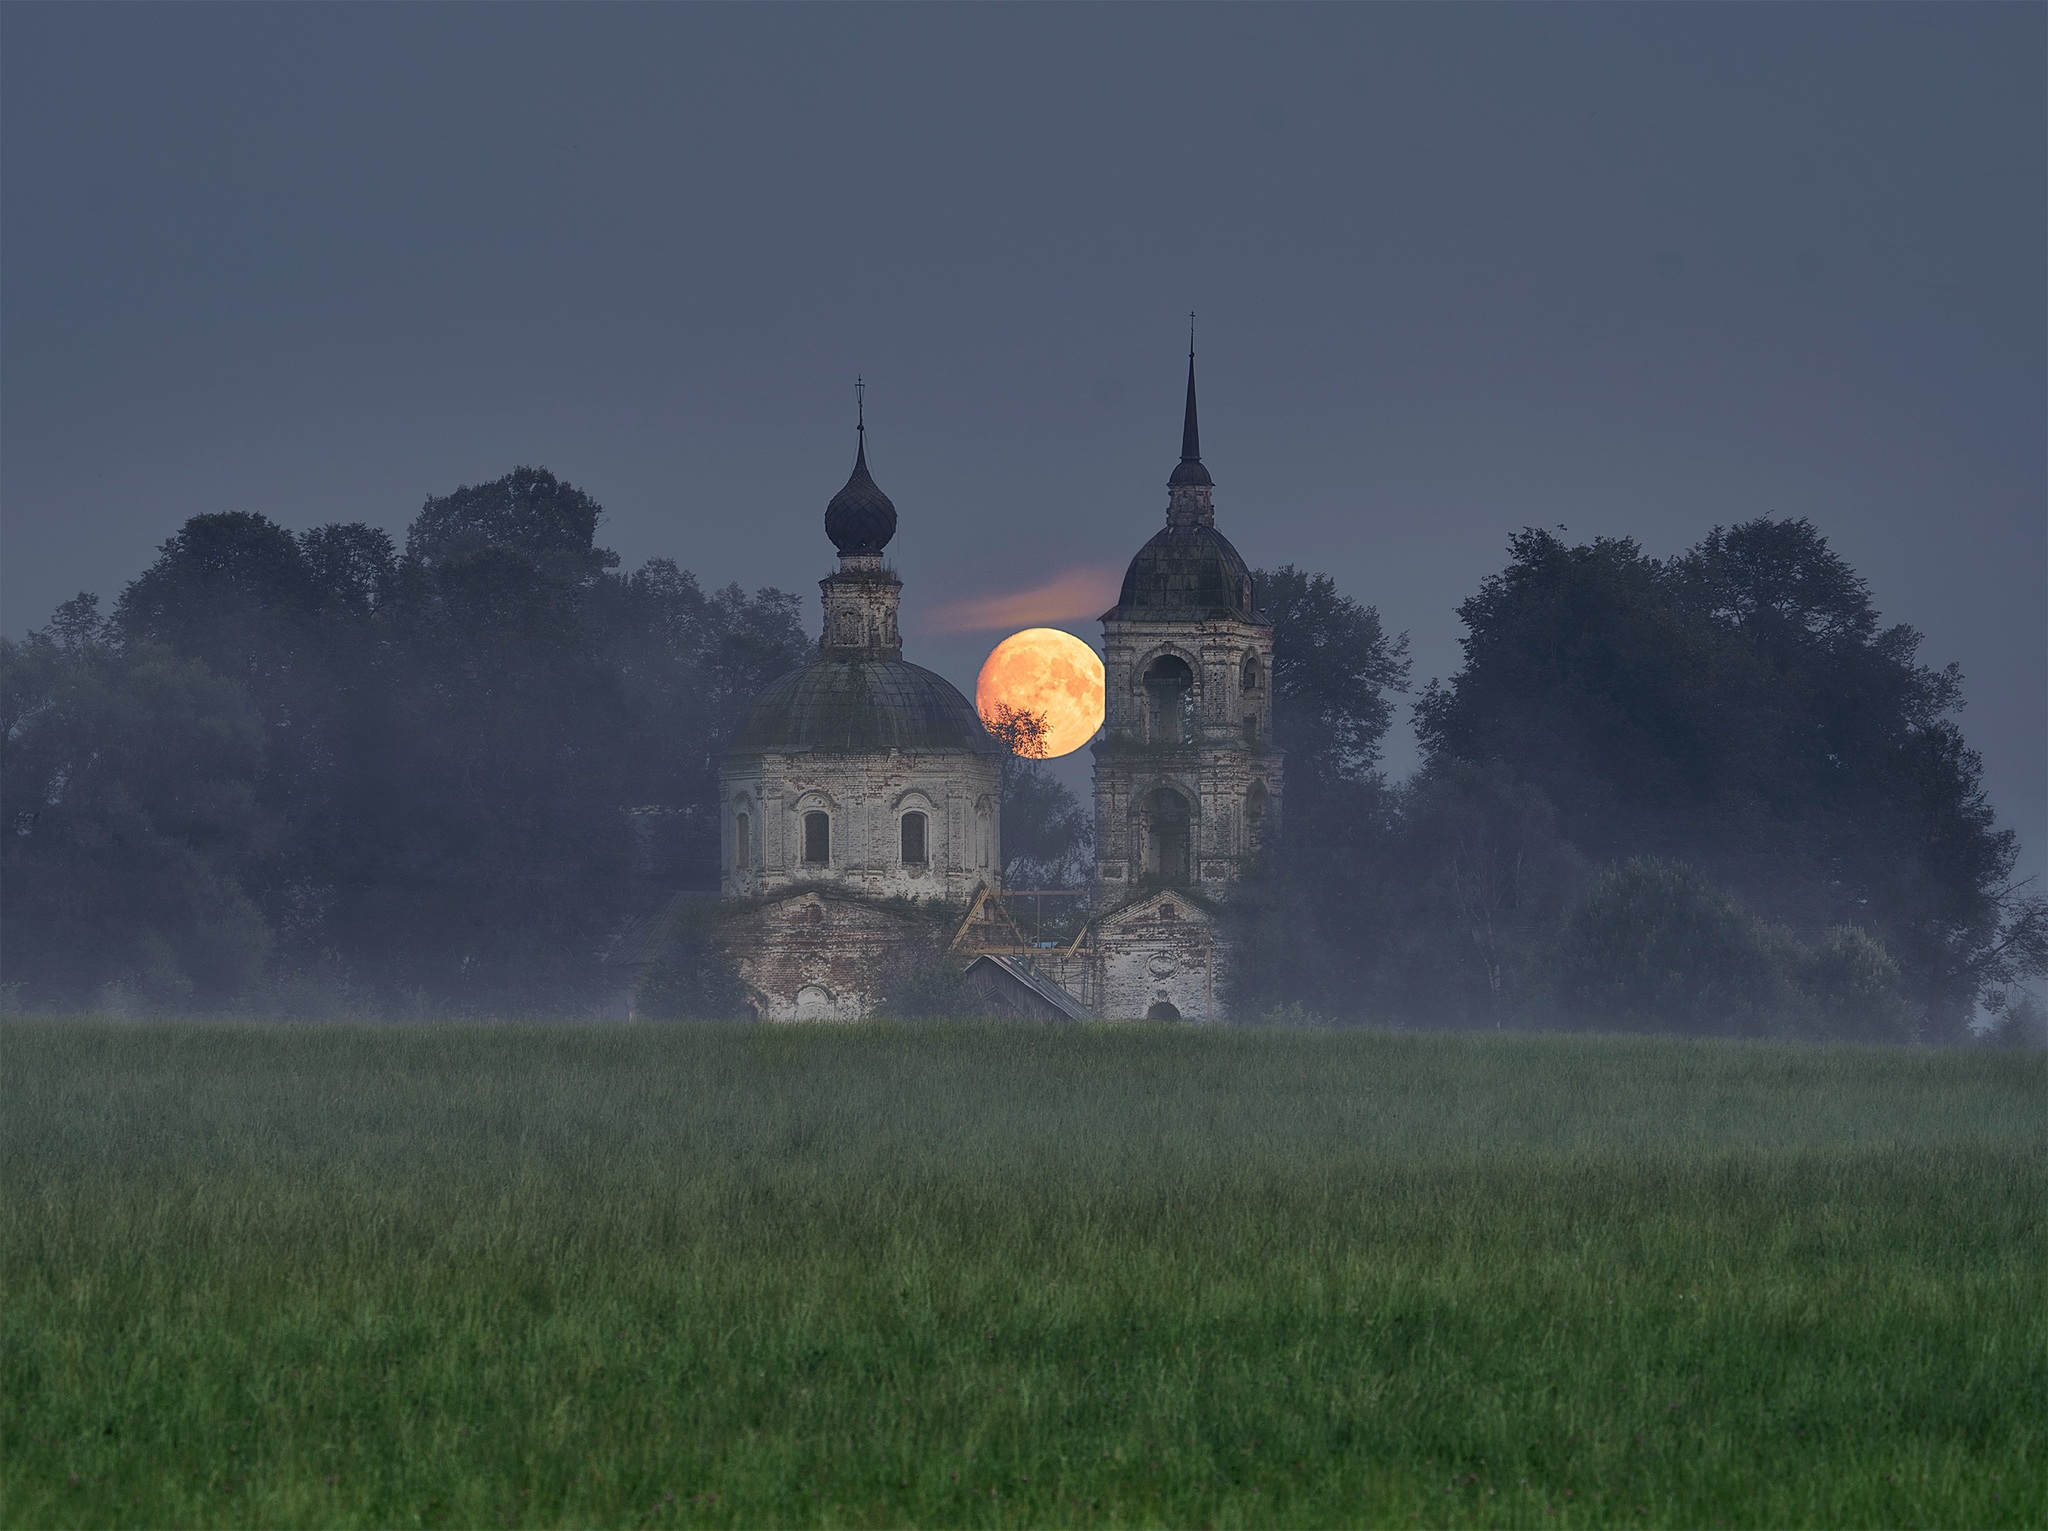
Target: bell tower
column 1187, row 780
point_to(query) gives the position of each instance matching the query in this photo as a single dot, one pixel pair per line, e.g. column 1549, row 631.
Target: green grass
column 963, row 1276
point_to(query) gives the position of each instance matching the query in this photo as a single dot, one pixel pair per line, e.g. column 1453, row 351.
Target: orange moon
column 1044, row 670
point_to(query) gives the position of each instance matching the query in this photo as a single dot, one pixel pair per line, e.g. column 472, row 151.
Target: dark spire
column 1190, row 470
column 861, row 519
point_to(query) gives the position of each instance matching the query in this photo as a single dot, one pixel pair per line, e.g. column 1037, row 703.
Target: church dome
column 1187, row 572
column 863, row 706
column 860, row 519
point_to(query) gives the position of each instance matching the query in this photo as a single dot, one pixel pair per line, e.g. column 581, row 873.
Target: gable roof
column 1036, row 984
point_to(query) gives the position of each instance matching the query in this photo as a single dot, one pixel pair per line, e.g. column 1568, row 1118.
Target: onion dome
column 863, row 706
column 861, row 519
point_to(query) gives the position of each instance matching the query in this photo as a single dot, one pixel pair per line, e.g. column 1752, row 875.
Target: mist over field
column 319, row 776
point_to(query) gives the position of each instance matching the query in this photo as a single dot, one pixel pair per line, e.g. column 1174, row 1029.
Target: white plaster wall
column 866, row 797
column 1142, row 960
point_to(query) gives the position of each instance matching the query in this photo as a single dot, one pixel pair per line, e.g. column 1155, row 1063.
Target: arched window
column 1251, row 672
column 1166, row 835
column 1254, row 815
column 982, row 837
column 742, row 841
column 817, row 838
column 1162, row 1012
column 913, row 840
column 1170, row 701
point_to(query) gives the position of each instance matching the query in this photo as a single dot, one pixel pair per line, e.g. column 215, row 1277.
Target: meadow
column 962, row 1276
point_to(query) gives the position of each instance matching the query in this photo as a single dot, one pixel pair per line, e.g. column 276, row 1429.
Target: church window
column 1169, row 911
column 982, row 836
column 1251, row 728
column 1254, row 814
column 1162, row 1012
column 1251, row 672
column 817, row 838
column 1166, row 835
column 742, row 841
column 913, row 839
column 1170, row 701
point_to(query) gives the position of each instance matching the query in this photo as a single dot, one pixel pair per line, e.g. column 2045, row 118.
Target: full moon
column 1045, row 671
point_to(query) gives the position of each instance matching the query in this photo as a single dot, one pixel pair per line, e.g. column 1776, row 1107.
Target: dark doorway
column 1162, row 1012
column 1170, row 701
column 817, row 839
column 1166, row 835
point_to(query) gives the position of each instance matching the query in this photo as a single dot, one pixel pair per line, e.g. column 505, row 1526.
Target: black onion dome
column 1187, row 571
column 863, row 706
column 1191, row 472
column 860, row 519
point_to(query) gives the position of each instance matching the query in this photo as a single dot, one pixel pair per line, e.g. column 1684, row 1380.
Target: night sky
column 1459, row 270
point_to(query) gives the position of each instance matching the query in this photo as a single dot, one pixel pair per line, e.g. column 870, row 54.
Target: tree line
column 323, row 773
column 1713, row 793
column 319, row 773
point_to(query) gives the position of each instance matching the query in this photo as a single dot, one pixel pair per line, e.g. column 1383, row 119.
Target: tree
column 1333, row 666
column 691, row 665
column 692, row 979
column 1654, row 946
column 1481, row 878
column 1046, row 832
column 452, row 738
column 529, row 512
column 1311, row 919
column 128, row 789
column 1743, row 709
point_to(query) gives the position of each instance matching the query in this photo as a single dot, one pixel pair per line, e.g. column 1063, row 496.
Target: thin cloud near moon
column 1079, row 594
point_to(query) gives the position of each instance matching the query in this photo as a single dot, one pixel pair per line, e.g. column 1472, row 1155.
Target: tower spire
column 860, row 421
column 1191, row 474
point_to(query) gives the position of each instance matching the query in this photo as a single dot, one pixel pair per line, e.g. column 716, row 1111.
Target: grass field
column 962, row 1276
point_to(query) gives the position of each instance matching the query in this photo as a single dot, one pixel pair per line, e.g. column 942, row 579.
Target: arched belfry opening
column 1167, row 830
column 1170, row 701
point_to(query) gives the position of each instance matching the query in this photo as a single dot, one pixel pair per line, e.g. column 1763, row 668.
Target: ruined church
column 861, row 813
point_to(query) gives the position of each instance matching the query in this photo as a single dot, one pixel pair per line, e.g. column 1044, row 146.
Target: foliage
column 1035, row 1276
column 2020, row 1020
column 127, row 788
column 1742, row 708
column 449, row 739
column 529, row 512
column 1047, row 834
column 1849, row 990
column 1654, row 946
column 691, row 978
column 1305, row 915
column 1333, row 666
column 931, row 986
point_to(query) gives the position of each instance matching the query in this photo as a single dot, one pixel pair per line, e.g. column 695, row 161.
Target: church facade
column 861, row 804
